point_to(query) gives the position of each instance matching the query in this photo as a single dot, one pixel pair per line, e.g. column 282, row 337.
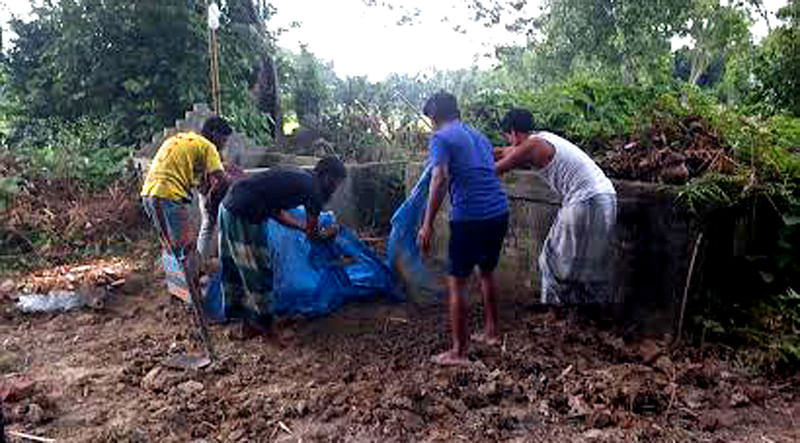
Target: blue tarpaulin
column 315, row 278
column 402, row 251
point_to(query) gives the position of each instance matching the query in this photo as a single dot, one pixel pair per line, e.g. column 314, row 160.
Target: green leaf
column 791, row 220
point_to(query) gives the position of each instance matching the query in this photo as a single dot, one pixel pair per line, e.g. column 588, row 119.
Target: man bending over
column 574, row 263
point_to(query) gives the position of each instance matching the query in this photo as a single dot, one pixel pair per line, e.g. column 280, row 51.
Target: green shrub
column 81, row 151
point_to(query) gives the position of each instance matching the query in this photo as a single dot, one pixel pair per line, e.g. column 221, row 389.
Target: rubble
column 669, row 152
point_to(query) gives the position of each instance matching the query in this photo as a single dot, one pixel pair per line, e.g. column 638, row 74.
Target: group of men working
column 573, row 263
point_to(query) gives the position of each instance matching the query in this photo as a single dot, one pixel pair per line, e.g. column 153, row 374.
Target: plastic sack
column 403, row 254
column 54, row 301
column 214, row 15
column 315, row 278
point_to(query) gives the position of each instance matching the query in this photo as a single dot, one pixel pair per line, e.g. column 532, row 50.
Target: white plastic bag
column 213, row 16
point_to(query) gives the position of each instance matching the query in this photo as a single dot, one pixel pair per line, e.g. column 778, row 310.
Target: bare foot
column 488, row 340
column 280, row 338
column 246, row 331
column 450, row 358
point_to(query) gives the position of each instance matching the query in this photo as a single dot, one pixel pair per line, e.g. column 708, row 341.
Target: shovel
column 189, row 361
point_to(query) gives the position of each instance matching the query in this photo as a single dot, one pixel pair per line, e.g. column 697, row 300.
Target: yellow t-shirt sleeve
column 213, row 162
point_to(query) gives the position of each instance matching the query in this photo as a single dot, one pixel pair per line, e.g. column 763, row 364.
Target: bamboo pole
column 213, row 60
column 215, row 72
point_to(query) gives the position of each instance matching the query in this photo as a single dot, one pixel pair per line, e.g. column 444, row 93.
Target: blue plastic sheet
column 402, row 251
column 316, row 278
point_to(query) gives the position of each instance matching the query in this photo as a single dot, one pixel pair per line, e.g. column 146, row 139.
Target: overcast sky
column 363, row 40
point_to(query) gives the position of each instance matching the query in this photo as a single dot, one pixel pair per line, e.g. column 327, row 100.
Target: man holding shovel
column 185, row 161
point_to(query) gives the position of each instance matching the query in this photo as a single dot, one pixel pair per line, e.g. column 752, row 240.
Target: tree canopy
column 141, row 64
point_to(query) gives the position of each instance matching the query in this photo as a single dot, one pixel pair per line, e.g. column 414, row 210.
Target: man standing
column 243, row 249
column 184, row 161
column 462, row 160
column 574, row 263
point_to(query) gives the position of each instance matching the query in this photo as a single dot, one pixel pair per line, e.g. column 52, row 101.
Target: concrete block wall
column 533, row 208
column 239, row 149
column 650, row 246
column 365, row 201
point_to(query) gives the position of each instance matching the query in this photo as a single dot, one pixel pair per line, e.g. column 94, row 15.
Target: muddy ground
column 363, row 374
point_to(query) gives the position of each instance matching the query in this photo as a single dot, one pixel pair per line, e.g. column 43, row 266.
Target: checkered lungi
column 246, row 269
column 575, row 259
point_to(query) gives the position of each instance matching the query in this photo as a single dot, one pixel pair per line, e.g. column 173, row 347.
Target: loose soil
column 362, row 374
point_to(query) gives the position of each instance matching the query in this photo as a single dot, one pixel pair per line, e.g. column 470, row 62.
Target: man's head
column 517, row 125
column 441, row 108
column 217, row 131
column 331, row 173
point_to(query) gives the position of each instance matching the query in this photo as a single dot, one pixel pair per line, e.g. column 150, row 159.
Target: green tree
column 778, row 63
column 716, row 30
column 712, row 76
column 307, row 82
column 139, row 64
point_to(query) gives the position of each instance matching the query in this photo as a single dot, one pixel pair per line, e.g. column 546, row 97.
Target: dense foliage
column 134, row 67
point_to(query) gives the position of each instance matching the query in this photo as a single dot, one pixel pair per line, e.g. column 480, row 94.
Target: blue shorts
column 476, row 243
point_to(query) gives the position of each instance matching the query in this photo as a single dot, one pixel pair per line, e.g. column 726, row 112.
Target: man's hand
column 329, row 233
column 499, row 152
column 425, row 238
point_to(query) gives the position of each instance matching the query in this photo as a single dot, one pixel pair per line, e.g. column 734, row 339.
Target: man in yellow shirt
column 185, row 161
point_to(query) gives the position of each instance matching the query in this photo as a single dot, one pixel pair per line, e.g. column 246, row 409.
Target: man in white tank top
column 575, row 258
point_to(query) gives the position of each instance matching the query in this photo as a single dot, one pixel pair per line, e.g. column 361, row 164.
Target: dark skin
column 214, row 181
column 311, row 225
column 213, row 185
column 525, row 151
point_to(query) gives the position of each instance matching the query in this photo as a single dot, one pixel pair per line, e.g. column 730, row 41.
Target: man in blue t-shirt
column 463, row 161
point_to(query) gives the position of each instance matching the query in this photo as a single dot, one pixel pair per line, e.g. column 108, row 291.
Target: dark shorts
column 476, row 243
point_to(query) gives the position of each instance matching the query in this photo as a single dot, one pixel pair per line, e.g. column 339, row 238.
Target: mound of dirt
column 364, row 374
column 53, row 218
column 669, row 152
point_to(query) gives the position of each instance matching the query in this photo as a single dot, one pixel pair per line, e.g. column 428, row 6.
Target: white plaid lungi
column 575, row 263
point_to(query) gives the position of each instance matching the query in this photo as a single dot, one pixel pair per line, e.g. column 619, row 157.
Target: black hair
column 330, row 167
column 216, row 127
column 517, row 119
column 441, row 107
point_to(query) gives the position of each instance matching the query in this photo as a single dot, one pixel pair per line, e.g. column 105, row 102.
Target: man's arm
column 288, row 220
column 500, row 151
column 312, row 226
column 217, row 183
column 534, row 151
column 514, row 157
column 437, row 192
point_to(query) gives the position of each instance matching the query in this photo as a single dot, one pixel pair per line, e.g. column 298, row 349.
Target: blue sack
column 315, row 278
column 403, row 254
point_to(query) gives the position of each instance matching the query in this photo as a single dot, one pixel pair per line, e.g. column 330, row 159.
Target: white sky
column 363, row 40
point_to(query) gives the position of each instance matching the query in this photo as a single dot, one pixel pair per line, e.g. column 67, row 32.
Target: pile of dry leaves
column 51, row 218
column 670, row 152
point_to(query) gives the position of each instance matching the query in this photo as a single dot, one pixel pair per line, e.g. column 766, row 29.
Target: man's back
column 475, row 190
column 178, row 164
column 572, row 173
column 256, row 196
